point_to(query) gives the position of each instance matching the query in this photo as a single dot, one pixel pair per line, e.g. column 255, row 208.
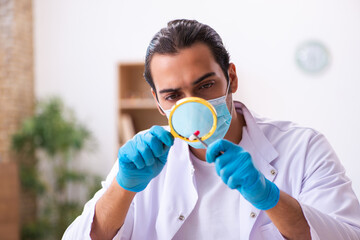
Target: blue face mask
column 223, row 121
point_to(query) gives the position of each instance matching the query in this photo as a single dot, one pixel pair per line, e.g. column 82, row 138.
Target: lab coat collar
column 261, row 143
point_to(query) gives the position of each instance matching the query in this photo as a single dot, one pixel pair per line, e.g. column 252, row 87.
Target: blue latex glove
column 142, row 158
column 234, row 165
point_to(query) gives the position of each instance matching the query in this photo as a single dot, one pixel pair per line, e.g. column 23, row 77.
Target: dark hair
column 183, row 33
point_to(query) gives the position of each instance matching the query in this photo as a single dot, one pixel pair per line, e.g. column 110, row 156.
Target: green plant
column 54, row 131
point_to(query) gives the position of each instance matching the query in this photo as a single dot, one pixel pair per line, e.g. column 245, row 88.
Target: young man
column 258, row 179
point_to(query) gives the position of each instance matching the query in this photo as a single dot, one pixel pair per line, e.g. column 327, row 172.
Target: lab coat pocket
column 269, row 231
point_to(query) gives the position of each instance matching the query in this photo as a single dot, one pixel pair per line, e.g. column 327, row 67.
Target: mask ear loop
column 226, row 95
column 162, row 109
column 160, row 106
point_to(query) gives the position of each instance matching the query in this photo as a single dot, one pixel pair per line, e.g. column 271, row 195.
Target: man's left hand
column 235, row 167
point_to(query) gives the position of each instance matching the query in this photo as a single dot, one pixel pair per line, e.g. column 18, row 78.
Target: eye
column 206, row 85
column 172, row 97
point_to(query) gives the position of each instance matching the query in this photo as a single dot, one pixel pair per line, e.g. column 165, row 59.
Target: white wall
column 79, row 43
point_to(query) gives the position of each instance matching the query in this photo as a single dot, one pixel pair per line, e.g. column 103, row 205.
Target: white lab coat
column 298, row 160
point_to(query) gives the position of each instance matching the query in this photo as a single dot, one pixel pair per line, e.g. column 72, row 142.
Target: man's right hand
column 142, row 158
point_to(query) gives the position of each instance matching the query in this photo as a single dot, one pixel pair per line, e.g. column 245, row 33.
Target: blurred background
column 78, row 65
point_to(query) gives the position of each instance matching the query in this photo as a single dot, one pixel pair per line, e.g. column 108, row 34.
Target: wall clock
column 312, row 57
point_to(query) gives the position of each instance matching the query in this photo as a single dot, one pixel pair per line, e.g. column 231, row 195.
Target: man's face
column 192, row 72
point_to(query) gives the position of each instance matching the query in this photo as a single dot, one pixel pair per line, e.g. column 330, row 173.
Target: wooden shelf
column 137, row 107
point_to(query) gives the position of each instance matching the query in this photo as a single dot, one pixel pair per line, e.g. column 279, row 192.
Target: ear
column 233, row 78
column 157, row 102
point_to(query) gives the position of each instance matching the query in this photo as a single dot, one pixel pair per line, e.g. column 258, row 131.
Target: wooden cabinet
column 137, row 107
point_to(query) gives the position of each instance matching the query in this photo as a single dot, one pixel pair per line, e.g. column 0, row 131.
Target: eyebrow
column 205, row 76
column 202, row 78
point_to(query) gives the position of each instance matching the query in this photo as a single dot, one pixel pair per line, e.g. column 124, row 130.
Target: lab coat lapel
column 262, row 153
column 261, row 150
column 179, row 195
